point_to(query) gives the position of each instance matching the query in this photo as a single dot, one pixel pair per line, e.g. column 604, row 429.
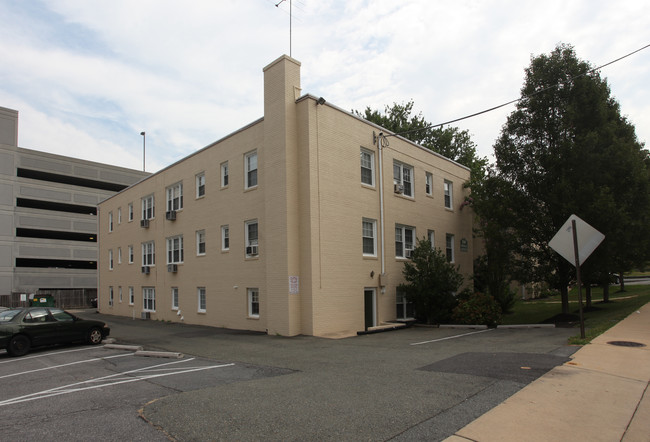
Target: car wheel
column 19, row 345
column 94, row 336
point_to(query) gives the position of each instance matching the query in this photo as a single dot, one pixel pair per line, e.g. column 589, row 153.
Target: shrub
column 477, row 308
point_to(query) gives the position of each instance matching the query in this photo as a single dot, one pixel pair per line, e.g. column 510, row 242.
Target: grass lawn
column 601, row 317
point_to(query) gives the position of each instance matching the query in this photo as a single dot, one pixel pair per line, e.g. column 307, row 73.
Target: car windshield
column 8, row 315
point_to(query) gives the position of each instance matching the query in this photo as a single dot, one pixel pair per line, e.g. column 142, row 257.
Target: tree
column 567, row 149
column 431, row 283
column 450, row 142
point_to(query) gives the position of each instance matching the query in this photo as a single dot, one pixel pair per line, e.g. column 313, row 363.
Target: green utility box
column 42, row 301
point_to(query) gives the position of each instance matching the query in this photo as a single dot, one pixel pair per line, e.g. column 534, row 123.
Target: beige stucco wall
column 309, row 203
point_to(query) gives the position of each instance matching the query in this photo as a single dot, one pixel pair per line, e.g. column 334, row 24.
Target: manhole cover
column 626, row 344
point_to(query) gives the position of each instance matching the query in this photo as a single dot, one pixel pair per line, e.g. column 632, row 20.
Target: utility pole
column 144, row 138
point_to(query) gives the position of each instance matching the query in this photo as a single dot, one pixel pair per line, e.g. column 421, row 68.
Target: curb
column 527, row 326
column 160, row 354
column 478, row 327
column 124, row 347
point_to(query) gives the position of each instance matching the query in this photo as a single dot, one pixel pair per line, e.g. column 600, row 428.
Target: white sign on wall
column 294, row 285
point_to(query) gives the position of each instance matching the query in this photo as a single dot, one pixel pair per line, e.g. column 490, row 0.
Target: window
column 403, row 178
column 110, row 296
column 251, row 239
column 110, row 221
column 119, row 215
column 149, row 299
column 250, row 166
column 404, row 238
column 119, row 290
column 201, row 296
column 431, row 236
column 369, row 233
column 148, row 210
column 119, row 255
column 429, row 184
column 174, row 298
column 224, row 174
column 405, row 308
column 148, row 254
column 449, row 193
column 175, row 250
column 130, row 212
column 110, row 259
column 175, row 197
column 131, row 295
column 450, row 248
column 130, row 254
column 200, row 242
column 367, row 167
column 200, row 185
column 253, row 303
column 225, row 238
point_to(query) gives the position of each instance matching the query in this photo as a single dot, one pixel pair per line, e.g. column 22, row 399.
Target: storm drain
column 626, row 344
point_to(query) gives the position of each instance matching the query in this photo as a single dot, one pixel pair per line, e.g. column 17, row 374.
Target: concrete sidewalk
column 600, row 395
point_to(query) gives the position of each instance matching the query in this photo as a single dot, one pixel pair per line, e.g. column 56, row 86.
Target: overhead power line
column 432, row 126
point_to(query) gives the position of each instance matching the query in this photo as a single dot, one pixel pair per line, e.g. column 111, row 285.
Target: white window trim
column 247, row 156
column 172, row 243
column 372, row 166
column 148, row 207
column 251, row 242
column 429, row 184
column 151, row 297
column 110, row 296
column 199, row 291
column 431, row 236
column 448, row 187
column 175, row 298
column 110, row 259
column 225, row 230
column 119, row 215
column 119, row 290
column 200, row 177
column 373, row 222
column 130, row 254
column 225, row 176
column 119, row 255
column 200, row 233
column 403, row 229
column 130, row 215
column 145, row 247
column 452, row 248
column 400, row 180
column 249, row 294
column 110, row 221
column 131, row 295
column 174, row 194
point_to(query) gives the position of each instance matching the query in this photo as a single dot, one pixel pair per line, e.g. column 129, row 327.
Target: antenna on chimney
column 290, row 19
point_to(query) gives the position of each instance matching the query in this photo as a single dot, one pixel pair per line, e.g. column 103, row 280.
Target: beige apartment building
column 299, row 223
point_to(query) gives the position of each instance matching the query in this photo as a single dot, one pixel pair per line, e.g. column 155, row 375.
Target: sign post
column 576, row 248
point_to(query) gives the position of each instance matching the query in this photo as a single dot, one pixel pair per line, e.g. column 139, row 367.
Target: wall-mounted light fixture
column 321, row 101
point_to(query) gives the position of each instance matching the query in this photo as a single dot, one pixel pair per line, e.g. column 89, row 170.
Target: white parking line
column 452, row 337
column 72, row 388
column 64, row 365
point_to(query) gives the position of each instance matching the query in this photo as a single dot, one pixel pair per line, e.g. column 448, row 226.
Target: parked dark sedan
column 24, row 328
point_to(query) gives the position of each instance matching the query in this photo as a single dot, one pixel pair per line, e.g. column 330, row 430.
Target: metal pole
column 144, row 139
column 575, row 248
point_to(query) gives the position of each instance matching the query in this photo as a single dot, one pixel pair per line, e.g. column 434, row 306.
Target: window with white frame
column 450, row 248
column 431, row 236
column 149, row 299
column 225, row 238
column 110, row 259
column 110, row 296
column 404, row 240
column 131, row 295
column 119, row 215
column 224, row 174
column 130, row 210
column 367, row 167
column 130, row 254
column 119, row 255
column 429, row 184
column 148, row 253
column 110, row 221
column 175, row 197
column 449, row 194
column 405, row 308
column 175, row 249
column 200, row 185
column 403, row 178
column 253, row 303
column 148, row 210
column 119, row 291
column 200, row 242
column 251, row 230
column 174, row 298
column 250, row 169
column 369, row 234
column 201, row 299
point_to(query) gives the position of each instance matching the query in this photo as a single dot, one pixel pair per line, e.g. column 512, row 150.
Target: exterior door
column 370, row 307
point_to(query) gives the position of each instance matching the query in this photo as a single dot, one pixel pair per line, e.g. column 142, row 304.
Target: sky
column 87, row 77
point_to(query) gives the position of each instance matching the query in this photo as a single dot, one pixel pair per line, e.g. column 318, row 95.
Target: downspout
column 379, row 139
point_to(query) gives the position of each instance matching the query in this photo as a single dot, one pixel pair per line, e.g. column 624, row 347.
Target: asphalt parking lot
column 413, row 384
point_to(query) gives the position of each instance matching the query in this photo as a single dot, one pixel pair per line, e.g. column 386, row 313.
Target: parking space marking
column 65, row 365
column 113, row 379
column 24, row 358
column 452, row 337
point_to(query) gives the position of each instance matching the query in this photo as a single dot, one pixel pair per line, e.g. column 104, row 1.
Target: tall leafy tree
column 450, row 142
column 567, row 149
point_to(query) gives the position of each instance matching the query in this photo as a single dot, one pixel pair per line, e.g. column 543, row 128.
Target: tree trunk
column 621, row 281
column 587, row 296
column 605, row 292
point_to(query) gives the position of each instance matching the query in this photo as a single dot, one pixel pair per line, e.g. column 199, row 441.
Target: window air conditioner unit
column 408, row 253
column 171, row 215
column 144, row 223
column 398, row 188
column 146, row 270
column 252, row 251
column 145, row 315
column 172, row 268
